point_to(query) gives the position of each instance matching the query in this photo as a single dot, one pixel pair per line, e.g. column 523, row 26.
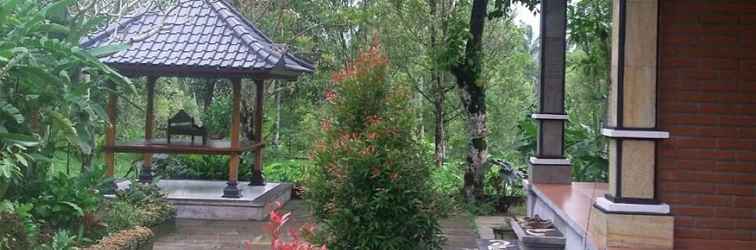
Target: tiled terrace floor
column 204, row 234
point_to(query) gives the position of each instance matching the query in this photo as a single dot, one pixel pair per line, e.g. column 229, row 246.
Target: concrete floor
column 204, row 234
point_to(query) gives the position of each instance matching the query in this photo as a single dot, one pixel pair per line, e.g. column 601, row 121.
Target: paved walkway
column 202, row 234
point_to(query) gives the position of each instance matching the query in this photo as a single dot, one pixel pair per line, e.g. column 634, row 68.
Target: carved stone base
column 257, row 179
column 232, row 191
column 146, row 175
column 620, row 230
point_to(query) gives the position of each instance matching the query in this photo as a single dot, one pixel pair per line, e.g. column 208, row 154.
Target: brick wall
column 707, row 101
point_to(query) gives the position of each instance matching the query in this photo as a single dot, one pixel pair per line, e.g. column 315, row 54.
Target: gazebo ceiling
column 196, row 38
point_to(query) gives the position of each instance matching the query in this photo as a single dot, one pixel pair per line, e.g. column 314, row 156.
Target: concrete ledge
column 574, row 232
column 634, row 134
column 549, row 116
column 611, row 207
column 199, row 199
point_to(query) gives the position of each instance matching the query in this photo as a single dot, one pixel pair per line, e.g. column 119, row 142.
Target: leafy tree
column 467, row 68
column 370, row 186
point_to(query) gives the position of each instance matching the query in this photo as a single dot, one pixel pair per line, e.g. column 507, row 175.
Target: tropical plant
column 277, row 220
column 370, row 186
column 48, row 85
column 65, row 201
column 17, row 227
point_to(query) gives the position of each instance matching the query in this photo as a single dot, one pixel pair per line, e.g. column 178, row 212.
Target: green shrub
column 122, row 215
column 17, row 227
column 65, row 200
column 148, row 201
column 370, row 187
column 291, row 171
column 218, row 115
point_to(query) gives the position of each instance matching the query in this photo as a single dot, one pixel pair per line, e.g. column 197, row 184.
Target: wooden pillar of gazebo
column 232, row 189
column 146, row 176
column 110, row 131
column 257, row 178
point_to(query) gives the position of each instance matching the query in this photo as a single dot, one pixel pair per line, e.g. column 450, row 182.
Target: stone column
column 550, row 165
column 630, row 215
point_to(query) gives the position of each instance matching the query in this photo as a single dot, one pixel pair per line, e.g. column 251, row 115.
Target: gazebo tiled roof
column 196, row 38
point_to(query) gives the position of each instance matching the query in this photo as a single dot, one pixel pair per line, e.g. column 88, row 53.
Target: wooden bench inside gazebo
column 199, row 39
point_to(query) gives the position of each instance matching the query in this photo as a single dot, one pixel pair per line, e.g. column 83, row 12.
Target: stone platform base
column 199, row 199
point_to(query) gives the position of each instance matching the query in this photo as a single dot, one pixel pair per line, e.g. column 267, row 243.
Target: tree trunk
column 440, row 129
column 439, row 92
column 473, row 96
column 209, row 93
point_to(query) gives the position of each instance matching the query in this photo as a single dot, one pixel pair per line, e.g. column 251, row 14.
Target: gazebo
column 199, row 39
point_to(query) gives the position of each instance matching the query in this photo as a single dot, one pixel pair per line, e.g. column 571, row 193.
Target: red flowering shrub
column 277, row 220
column 370, row 186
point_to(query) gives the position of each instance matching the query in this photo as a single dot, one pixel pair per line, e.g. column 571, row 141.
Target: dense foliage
column 370, row 187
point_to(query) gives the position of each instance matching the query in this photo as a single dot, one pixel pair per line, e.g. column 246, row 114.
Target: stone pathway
column 202, row 234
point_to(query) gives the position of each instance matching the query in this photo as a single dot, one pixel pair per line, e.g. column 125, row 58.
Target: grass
column 62, row 162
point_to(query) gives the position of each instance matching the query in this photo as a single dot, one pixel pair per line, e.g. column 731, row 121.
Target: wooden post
column 110, row 132
column 550, row 164
column 146, row 176
column 257, row 178
column 232, row 190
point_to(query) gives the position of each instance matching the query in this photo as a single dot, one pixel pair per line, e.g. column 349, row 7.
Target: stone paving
column 204, row 234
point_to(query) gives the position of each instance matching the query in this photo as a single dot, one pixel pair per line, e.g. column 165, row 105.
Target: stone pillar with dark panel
column 149, row 124
column 257, row 178
column 232, row 188
column 550, row 165
column 630, row 214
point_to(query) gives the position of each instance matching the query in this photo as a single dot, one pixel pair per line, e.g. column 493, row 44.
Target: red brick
column 746, row 202
column 671, row 62
column 719, row 132
column 737, row 120
column 678, row 199
column 721, row 223
column 730, row 143
column 684, row 131
column 713, row 177
column 731, row 234
column 693, row 142
column 674, row 107
column 715, row 200
column 693, row 211
column 684, row 221
column 690, row 187
column 736, row 167
column 734, row 212
column 706, row 154
column 692, row 233
column 746, row 156
column 749, row 224
column 720, row 63
column 695, row 244
column 745, row 179
column 748, row 132
column 716, row 108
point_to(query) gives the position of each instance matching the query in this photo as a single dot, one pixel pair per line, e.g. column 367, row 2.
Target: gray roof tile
column 196, row 33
